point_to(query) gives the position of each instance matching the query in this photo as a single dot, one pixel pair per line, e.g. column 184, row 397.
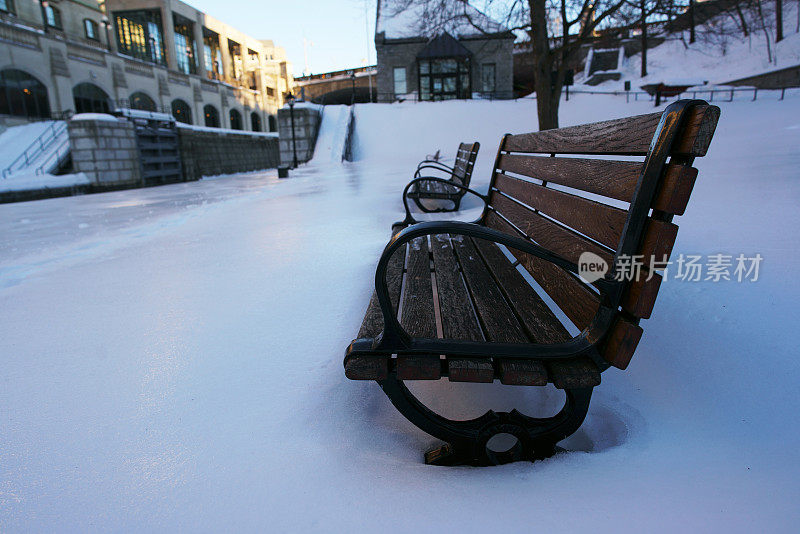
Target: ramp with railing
column 46, row 154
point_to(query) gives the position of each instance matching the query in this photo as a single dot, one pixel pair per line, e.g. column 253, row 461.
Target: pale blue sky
column 336, row 27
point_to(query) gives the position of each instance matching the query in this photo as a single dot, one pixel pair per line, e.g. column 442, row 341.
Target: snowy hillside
column 716, row 56
column 172, row 356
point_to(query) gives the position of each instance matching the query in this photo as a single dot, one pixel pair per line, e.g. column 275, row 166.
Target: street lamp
column 290, row 101
column 107, row 25
column 353, row 79
column 43, row 4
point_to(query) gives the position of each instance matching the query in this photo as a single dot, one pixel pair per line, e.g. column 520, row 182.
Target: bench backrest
column 571, row 205
column 465, row 161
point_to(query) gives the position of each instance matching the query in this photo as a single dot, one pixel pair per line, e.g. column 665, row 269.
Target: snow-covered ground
column 717, row 57
column 172, row 356
column 332, row 135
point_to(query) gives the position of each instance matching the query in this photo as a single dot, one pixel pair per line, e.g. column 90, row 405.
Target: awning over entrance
column 444, row 45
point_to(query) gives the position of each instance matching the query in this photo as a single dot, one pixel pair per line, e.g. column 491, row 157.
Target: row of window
column 23, row 95
column 139, row 35
column 445, row 78
column 53, row 18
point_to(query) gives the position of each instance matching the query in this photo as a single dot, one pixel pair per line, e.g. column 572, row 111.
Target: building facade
column 68, row 56
column 456, row 52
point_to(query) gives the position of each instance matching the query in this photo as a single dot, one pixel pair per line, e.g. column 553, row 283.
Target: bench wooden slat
column 575, row 373
column 640, row 295
column 613, row 179
column 372, row 324
column 598, row 221
column 498, row 321
column 539, row 322
column 377, row 368
column 426, row 367
column 470, row 370
column 621, row 343
column 522, row 373
column 417, row 315
column 458, row 318
column 629, row 136
column 537, row 319
column 578, row 303
column 547, row 233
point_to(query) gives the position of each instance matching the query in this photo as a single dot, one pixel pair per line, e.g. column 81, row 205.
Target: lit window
column 6, row 6
column 53, row 17
column 212, row 53
column 184, row 45
column 139, row 35
column 90, row 28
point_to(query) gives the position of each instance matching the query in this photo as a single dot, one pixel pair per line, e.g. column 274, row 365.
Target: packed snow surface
column 29, row 182
column 172, row 356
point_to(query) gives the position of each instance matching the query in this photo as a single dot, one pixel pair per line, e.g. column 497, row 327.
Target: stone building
column 66, row 56
column 337, row 87
column 439, row 50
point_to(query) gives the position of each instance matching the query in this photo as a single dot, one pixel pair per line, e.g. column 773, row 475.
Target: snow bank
column 95, row 117
column 717, row 60
column 332, row 135
column 199, row 128
column 30, row 182
column 16, row 139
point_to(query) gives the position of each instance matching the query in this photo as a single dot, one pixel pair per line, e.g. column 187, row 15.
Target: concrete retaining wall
column 208, row 153
column 306, row 127
column 777, row 79
column 105, row 150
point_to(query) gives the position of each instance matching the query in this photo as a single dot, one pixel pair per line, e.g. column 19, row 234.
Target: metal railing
column 726, row 94
column 37, row 147
column 414, row 97
column 56, row 158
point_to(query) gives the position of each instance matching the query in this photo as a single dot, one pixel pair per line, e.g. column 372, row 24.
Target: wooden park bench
column 454, row 299
column 448, row 187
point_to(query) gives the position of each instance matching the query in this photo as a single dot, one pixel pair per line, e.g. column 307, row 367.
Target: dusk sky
column 337, row 29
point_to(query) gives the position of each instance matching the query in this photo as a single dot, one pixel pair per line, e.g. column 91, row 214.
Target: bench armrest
column 435, row 164
column 410, row 219
column 394, row 337
column 446, row 170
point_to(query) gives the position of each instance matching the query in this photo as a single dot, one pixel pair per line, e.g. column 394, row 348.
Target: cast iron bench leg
column 466, row 441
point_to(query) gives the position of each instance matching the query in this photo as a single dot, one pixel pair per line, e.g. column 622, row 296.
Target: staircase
column 46, row 154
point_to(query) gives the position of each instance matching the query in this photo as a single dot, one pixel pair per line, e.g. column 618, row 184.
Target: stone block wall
column 306, row 127
column 392, row 53
column 209, row 153
column 105, row 150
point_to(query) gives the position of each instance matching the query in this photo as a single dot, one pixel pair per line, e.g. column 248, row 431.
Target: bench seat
column 461, row 288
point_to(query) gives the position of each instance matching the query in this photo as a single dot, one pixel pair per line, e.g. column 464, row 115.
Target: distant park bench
column 443, row 187
column 454, row 299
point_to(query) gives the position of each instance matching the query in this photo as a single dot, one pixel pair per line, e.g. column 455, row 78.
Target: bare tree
column 778, row 20
column 640, row 14
column 557, row 30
